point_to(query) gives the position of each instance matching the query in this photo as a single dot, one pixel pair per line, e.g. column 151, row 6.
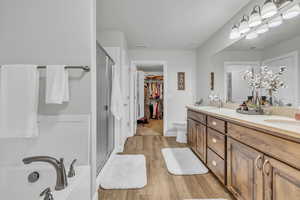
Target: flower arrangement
column 272, row 81
column 267, row 79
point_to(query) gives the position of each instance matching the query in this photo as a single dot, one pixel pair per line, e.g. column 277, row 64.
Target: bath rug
column 124, row 172
column 182, row 161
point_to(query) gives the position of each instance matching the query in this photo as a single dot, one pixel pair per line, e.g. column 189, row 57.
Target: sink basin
column 283, row 122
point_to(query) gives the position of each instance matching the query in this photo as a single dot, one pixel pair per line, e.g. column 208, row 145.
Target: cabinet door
column 281, row 181
column 189, row 132
column 244, row 171
column 201, row 141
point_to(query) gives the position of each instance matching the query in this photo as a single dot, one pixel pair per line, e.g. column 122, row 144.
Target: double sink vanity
column 255, row 157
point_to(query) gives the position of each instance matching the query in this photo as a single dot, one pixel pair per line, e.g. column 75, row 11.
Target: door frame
column 228, row 64
column 133, row 70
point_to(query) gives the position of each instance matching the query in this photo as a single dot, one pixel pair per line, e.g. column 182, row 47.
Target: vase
column 271, row 97
column 257, row 100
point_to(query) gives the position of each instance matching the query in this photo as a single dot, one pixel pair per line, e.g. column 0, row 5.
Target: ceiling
column 166, row 24
column 288, row 30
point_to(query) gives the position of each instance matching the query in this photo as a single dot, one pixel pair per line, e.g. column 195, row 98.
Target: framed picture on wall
column 181, row 80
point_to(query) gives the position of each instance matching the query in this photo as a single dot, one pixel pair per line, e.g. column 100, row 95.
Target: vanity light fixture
column 275, row 22
column 252, row 35
column 255, row 18
column 269, row 9
column 244, row 26
column 235, row 33
column 292, row 12
column 270, row 15
column 262, row 29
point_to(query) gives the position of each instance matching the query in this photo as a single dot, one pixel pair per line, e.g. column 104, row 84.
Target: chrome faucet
column 216, row 99
column 61, row 177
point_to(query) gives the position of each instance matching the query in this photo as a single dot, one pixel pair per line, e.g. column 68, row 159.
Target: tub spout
column 61, row 177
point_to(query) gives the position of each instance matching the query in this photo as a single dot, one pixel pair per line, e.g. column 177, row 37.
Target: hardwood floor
column 154, row 127
column 161, row 184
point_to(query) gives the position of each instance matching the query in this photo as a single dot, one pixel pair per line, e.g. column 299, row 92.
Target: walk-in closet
column 151, row 97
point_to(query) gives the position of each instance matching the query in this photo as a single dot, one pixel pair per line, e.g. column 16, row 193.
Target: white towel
column 57, row 84
column 19, row 89
column 116, row 95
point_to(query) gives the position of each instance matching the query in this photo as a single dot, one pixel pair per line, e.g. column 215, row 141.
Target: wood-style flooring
column 161, row 184
column 154, row 127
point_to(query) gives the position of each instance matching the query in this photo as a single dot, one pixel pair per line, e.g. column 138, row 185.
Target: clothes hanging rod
column 84, row 68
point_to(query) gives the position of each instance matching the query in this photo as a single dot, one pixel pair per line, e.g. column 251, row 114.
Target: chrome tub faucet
column 61, row 177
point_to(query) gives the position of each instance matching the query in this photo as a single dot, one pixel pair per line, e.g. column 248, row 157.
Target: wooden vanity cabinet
column 244, row 171
column 192, row 134
column 196, row 137
column 280, row 180
column 252, row 163
column 201, row 141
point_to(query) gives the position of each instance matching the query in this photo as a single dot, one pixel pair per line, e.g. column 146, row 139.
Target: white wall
column 45, row 32
column 177, row 61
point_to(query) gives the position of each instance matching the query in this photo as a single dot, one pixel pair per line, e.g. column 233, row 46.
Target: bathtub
column 15, row 186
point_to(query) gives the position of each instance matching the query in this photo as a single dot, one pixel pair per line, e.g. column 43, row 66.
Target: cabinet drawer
column 274, row 146
column 216, row 164
column 196, row 116
column 216, row 141
column 216, row 124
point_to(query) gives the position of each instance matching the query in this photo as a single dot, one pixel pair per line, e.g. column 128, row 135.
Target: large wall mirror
column 278, row 47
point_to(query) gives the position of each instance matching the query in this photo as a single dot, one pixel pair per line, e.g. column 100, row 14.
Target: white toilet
column 181, row 130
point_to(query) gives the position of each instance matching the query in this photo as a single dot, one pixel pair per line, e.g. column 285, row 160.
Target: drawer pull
column 258, row 161
column 214, row 123
column 214, row 140
column 266, row 172
column 214, row 163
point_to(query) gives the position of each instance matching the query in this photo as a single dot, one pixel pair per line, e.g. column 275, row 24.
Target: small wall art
column 181, row 80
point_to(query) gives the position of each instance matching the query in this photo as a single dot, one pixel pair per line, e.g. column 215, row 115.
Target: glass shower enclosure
column 105, row 120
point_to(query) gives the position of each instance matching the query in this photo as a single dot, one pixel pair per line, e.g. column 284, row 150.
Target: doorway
column 150, row 86
column 149, row 89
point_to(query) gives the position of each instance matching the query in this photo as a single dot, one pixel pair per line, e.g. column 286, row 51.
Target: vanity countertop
column 284, row 127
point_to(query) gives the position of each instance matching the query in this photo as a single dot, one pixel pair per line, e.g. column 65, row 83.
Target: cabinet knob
column 214, row 140
column 214, row 123
column 214, row 163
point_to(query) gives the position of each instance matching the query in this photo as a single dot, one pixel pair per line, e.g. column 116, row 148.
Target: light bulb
column 292, row 12
column 235, row 33
column 251, row 35
column 275, row 22
column 255, row 18
column 262, row 29
column 244, row 26
column 269, row 9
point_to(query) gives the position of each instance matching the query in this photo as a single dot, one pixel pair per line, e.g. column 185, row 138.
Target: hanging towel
column 57, row 84
column 116, row 95
column 19, row 88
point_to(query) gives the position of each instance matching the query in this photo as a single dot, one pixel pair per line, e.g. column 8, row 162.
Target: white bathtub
column 15, row 186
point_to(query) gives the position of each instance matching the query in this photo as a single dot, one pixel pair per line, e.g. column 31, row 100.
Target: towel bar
column 84, row 68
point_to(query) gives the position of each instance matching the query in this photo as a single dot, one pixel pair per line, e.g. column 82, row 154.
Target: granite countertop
column 278, row 125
